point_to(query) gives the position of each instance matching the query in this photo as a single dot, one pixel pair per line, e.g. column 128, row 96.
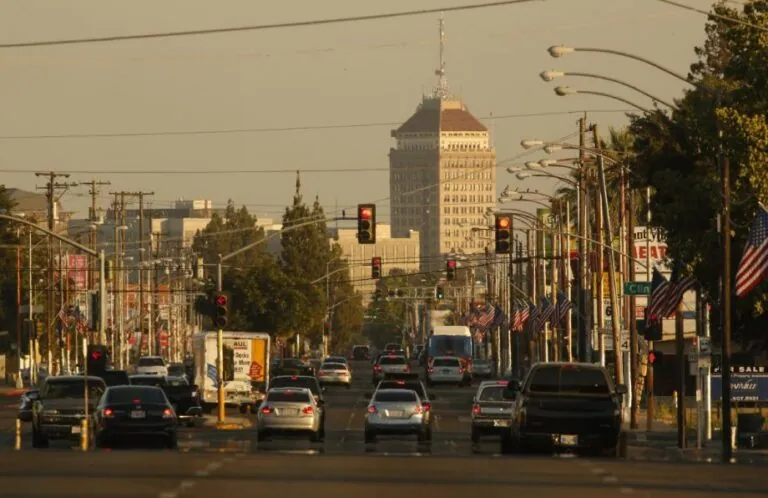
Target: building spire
column 441, row 91
column 298, row 183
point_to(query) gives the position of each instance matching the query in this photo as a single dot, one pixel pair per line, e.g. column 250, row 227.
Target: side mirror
column 621, row 389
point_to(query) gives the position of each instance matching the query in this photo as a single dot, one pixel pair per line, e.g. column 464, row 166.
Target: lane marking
column 348, row 427
column 187, row 484
column 626, row 491
column 201, row 473
column 168, row 494
column 597, row 471
column 610, row 479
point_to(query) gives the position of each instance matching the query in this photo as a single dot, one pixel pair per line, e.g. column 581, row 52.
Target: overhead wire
column 264, row 27
column 714, row 15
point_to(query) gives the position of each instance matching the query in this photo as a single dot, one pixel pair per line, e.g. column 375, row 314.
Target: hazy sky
column 356, row 73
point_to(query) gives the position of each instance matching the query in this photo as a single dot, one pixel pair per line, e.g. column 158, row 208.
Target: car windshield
column 411, row 386
column 392, row 360
column 336, row 359
column 333, row 366
column 148, row 381
column 288, row 397
column 482, row 362
column 307, row 382
column 177, row 370
column 149, row 361
column 177, row 381
column 492, row 393
column 74, row 388
column 395, row 397
column 129, row 395
column 115, row 378
column 569, row 379
column 446, row 362
column 450, row 345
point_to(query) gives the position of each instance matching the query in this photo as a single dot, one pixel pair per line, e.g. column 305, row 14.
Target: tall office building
column 442, row 175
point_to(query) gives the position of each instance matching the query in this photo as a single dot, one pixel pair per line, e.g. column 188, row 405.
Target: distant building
column 442, row 175
column 35, row 205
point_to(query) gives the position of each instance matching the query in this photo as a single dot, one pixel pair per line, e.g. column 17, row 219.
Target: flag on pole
column 677, row 290
column 754, row 261
column 564, row 305
column 547, row 311
column 660, row 290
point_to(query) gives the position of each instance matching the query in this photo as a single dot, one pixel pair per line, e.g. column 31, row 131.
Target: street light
column 513, row 169
column 559, row 50
column 551, row 75
column 533, row 165
column 563, row 91
column 551, row 149
column 529, row 144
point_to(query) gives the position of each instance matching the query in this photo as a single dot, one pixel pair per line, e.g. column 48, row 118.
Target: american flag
column 678, row 288
column 517, row 318
column 525, row 313
column 754, row 261
column 564, row 305
column 660, row 290
column 534, row 316
column 547, row 311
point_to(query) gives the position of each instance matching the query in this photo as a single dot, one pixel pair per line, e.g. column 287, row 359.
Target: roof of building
column 27, row 201
column 433, row 118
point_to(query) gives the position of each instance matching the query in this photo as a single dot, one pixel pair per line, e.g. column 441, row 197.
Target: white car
column 335, row 359
column 334, row 374
column 446, row 370
column 152, row 365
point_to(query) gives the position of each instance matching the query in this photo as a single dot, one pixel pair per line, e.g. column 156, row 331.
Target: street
column 211, row 461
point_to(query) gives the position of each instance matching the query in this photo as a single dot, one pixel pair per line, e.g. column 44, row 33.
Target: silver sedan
column 290, row 411
column 396, row 412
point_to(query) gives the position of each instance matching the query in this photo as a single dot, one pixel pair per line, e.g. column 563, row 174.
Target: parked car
column 25, row 405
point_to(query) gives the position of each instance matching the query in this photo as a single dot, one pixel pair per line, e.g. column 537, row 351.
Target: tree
column 8, row 239
column 677, row 153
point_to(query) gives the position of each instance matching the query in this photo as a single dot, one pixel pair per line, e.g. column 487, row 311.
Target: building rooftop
column 436, row 115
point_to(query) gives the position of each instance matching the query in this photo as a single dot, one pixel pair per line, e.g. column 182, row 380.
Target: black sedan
column 134, row 412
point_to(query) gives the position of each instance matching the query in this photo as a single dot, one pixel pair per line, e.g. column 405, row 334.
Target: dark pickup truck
column 570, row 407
column 60, row 407
column 183, row 396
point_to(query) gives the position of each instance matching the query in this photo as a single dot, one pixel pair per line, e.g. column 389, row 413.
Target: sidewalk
column 230, row 423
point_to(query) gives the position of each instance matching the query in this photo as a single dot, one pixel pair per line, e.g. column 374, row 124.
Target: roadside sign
column 637, row 288
column 705, row 347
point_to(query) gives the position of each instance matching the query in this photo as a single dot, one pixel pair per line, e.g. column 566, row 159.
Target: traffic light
column 450, row 269
column 366, row 223
column 376, row 267
column 439, row 293
column 95, row 308
column 655, row 357
column 220, row 312
column 503, row 233
column 97, row 359
column 653, row 330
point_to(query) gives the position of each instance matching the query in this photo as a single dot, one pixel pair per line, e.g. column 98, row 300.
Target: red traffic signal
column 221, row 300
column 96, row 355
column 366, row 223
column 366, row 213
column 376, row 267
column 452, row 264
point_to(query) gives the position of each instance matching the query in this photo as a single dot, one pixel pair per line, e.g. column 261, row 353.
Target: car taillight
column 267, row 410
column 430, row 370
column 372, row 409
column 108, row 413
column 308, row 410
column 321, row 372
column 417, row 409
column 168, row 413
column 461, row 370
column 426, row 406
column 377, row 368
column 476, row 409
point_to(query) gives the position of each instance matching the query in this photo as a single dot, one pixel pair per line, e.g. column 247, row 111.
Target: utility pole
column 51, row 188
column 725, row 227
column 143, row 249
column 584, row 314
column 633, row 346
column 93, row 218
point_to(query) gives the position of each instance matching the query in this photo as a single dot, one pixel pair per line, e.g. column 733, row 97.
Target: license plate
column 395, row 413
column 288, row 413
column 446, row 371
column 75, row 429
column 138, row 414
column 501, row 423
column 569, row 440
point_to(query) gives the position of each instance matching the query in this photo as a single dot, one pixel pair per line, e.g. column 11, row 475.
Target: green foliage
column 677, row 153
column 8, row 264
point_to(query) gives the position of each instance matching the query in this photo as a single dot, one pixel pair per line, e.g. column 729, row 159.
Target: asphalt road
column 211, row 462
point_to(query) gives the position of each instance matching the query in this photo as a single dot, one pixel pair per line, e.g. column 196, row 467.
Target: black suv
column 59, row 409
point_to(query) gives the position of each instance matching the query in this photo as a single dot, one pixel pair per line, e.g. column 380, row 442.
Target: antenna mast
column 442, row 84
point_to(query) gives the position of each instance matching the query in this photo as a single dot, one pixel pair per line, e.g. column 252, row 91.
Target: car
column 411, row 382
column 361, row 353
column 491, row 409
column 417, row 349
column 60, row 407
column 184, row 398
column 151, row 365
column 447, row 370
column 392, row 346
column 290, row 366
column 396, row 412
column 26, row 400
column 132, row 412
column 177, row 370
column 566, row 406
column 305, row 381
column 482, row 368
column 334, row 374
column 389, row 364
column 289, row 411
column 335, row 359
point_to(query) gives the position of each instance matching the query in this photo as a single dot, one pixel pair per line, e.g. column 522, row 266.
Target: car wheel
column 370, row 437
column 475, row 437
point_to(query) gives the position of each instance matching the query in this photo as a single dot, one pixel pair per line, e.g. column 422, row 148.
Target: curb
column 14, row 392
column 234, row 426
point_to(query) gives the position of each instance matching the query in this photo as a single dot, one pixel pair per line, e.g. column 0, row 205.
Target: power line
column 715, row 15
column 208, row 172
column 263, row 27
column 231, row 131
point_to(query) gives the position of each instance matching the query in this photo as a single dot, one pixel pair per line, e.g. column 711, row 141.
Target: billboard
column 650, row 242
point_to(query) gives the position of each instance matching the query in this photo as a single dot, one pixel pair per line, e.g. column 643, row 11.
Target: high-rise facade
column 442, row 176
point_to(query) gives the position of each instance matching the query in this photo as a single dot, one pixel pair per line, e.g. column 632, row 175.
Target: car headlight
column 49, row 413
column 193, row 394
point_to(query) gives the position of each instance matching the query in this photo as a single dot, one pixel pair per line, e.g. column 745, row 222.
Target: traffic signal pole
column 220, row 353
